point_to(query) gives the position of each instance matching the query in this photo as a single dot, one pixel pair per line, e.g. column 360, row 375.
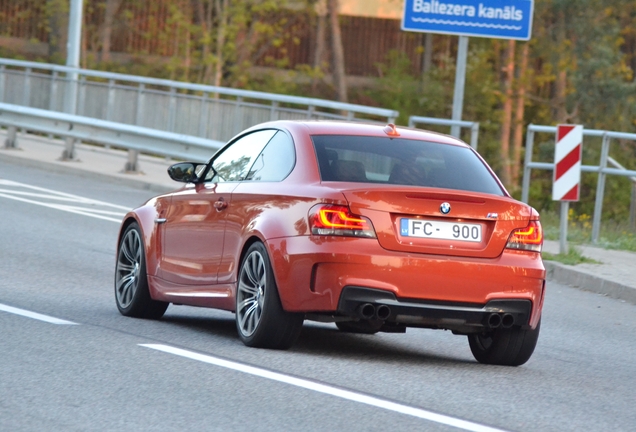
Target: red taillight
column 327, row 219
column 528, row 238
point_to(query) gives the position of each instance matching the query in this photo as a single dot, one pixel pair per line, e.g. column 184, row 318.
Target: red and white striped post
column 566, row 186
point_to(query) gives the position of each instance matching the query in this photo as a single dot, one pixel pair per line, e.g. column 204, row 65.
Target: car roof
column 358, row 128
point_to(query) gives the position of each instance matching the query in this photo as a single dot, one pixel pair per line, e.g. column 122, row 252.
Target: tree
column 57, row 25
column 106, row 30
column 337, row 51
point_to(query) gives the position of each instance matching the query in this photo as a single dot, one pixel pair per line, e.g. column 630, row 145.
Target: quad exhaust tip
column 366, row 311
column 507, row 320
column 383, row 312
column 494, row 320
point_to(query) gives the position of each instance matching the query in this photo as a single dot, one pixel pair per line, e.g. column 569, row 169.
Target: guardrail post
column 172, row 110
column 350, row 115
column 110, row 105
column 237, row 115
column 474, row 135
column 11, row 142
column 82, row 96
column 411, row 122
column 69, row 153
column 204, row 115
column 26, row 95
column 141, row 98
column 53, row 92
column 273, row 114
column 311, row 110
column 600, row 190
column 525, row 188
column 132, row 165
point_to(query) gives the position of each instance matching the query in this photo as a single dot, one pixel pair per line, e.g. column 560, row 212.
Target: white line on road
column 63, row 208
column 34, row 315
column 326, row 389
column 76, row 198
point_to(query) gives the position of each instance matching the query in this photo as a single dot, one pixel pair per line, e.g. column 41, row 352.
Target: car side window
column 275, row 161
column 234, row 163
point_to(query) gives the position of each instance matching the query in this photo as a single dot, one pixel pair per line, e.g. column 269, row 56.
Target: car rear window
column 402, row 162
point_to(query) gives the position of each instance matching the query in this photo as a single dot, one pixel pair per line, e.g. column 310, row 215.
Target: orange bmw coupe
column 374, row 228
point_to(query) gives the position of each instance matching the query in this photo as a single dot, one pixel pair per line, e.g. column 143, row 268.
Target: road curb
column 68, row 168
column 569, row 275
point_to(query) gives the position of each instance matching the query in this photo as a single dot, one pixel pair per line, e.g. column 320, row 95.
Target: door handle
column 160, row 220
column 221, row 204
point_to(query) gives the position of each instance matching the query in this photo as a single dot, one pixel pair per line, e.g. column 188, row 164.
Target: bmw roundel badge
column 445, row 208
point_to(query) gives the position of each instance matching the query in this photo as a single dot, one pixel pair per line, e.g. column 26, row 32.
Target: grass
column 573, row 257
column 613, row 235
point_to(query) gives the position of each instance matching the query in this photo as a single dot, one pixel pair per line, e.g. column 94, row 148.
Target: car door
column 194, row 230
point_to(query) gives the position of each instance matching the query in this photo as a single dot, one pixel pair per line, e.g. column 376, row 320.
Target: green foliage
column 581, row 70
column 613, row 234
column 573, row 257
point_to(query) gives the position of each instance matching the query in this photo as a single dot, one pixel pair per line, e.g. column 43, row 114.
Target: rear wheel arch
column 248, row 243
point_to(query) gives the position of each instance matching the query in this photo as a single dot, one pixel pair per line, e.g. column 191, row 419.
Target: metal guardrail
column 205, row 111
column 473, row 126
column 602, row 169
column 133, row 138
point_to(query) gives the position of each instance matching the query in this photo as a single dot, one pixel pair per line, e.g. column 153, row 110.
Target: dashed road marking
column 34, row 315
column 55, row 199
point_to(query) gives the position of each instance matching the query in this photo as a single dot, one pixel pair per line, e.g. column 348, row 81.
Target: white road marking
column 326, row 389
column 69, row 209
column 52, row 199
column 53, row 193
column 34, row 315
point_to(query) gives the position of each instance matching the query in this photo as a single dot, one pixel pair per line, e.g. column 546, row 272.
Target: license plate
column 440, row 230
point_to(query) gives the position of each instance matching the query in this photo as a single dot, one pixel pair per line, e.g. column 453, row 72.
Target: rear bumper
column 312, row 272
column 358, row 302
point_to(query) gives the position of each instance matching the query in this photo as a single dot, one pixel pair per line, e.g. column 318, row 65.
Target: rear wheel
column 131, row 281
column 361, row 327
column 504, row 346
column 261, row 320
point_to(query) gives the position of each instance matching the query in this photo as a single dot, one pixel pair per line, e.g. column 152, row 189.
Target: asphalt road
column 189, row 371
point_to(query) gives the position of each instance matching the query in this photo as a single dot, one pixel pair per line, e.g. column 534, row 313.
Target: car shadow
column 322, row 341
column 381, row 347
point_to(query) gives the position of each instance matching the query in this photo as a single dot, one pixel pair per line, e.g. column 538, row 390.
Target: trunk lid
column 404, row 217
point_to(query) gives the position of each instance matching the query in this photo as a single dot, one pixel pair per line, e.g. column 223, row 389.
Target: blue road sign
column 504, row 19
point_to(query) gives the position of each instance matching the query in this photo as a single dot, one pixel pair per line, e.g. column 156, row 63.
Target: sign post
column 504, row 19
column 567, row 174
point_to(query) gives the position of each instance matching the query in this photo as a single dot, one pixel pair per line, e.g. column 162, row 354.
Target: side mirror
column 185, row 172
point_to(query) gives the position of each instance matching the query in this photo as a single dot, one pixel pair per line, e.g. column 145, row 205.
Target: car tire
column 261, row 321
column 504, row 346
column 360, row 327
column 131, row 281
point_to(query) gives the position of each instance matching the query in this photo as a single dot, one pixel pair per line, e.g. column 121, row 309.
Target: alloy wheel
column 251, row 293
column 128, row 268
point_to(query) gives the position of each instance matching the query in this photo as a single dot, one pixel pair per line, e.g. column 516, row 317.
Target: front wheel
column 131, row 282
column 261, row 320
column 504, row 346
